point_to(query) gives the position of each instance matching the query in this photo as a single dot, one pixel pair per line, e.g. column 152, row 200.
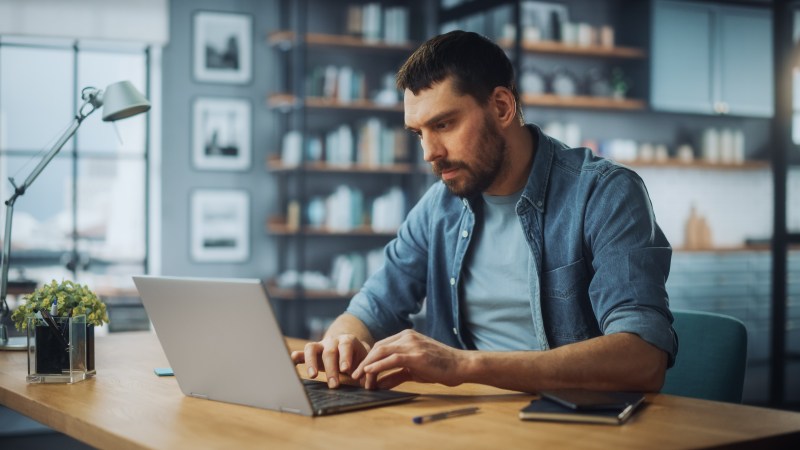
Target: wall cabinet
column 711, row 59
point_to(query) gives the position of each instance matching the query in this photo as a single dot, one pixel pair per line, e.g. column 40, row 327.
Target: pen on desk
column 445, row 415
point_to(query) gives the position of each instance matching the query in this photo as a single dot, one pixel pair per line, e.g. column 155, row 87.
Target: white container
column 710, row 146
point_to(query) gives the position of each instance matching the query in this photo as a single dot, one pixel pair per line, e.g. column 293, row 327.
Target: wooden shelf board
column 698, row 164
column 307, row 294
column 278, row 227
column 735, row 249
column 275, row 165
column 289, row 101
column 285, row 39
column 560, row 48
column 582, row 101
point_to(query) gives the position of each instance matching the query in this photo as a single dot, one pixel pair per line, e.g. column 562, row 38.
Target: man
column 546, row 260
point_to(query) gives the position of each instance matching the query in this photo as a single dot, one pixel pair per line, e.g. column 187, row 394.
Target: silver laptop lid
column 222, row 341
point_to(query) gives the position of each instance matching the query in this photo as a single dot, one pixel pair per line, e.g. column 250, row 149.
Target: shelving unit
column 305, row 245
column 680, row 85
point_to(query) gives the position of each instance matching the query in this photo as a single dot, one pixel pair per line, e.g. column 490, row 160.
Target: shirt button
column 455, row 331
column 464, row 233
column 452, row 281
column 539, row 203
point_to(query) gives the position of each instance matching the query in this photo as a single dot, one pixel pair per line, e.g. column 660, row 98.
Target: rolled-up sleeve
column 631, row 259
column 396, row 291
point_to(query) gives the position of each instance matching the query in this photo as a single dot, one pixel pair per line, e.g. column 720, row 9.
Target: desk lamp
column 119, row 101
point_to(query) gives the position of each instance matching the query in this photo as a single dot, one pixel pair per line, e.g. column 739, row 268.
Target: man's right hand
column 334, row 355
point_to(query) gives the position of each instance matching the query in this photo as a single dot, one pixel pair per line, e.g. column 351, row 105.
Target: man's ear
column 505, row 107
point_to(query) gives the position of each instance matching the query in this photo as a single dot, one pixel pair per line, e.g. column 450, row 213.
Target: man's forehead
column 433, row 102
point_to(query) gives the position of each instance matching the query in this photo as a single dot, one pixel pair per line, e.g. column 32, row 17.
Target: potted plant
column 71, row 300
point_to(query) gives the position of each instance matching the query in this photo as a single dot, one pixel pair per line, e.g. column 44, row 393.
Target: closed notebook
column 552, row 410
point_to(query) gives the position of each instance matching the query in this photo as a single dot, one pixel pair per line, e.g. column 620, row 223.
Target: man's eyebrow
column 437, row 118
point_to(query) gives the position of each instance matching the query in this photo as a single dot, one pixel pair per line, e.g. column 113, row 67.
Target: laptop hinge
column 196, row 395
column 289, row 410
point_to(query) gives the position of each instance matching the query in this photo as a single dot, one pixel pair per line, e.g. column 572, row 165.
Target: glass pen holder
column 61, row 351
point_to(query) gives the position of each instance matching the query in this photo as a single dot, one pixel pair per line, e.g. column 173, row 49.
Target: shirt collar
column 535, row 191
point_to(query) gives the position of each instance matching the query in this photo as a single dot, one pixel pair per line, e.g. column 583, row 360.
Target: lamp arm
column 20, row 190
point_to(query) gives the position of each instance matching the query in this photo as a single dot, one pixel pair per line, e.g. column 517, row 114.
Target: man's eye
column 441, row 126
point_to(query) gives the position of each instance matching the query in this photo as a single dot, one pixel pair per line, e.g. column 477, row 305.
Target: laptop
column 223, row 343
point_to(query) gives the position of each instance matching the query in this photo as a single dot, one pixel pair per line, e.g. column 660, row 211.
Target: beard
column 475, row 177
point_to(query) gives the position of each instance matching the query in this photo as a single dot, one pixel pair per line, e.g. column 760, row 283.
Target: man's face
column 459, row 138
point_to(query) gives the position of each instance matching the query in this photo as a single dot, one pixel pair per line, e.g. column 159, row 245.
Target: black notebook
column 583, row 406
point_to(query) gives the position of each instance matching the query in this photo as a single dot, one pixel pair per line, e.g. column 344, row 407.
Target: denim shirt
column 601, row 261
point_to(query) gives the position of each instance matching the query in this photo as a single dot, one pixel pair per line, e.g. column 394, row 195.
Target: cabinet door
column 745, row 43
column 681, row 69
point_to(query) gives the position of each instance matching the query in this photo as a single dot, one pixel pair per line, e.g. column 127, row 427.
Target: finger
column 298, row 357
column 330, row 359
column 370, row 381
column 393, row 361
column 310, row 354
column 378, row 351
column 395, row 378
column 345, row 356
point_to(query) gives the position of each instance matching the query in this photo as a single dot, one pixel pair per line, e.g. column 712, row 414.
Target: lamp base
column 14, row 343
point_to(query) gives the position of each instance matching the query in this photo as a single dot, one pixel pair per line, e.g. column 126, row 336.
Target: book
column 593, row 412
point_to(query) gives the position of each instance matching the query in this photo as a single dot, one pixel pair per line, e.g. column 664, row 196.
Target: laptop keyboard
column 323, row 398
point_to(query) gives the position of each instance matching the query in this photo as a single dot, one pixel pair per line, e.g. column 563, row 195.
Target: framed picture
column 223, row 47
column 220, row 225
column 221, row 134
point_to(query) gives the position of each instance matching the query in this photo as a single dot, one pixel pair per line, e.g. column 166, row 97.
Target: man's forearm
column 619, row 361
column 350, row 324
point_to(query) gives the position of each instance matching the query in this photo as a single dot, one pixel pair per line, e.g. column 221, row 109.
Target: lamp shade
column 122, row 100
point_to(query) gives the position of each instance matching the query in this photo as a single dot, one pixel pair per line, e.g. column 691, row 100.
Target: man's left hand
column 410, row 356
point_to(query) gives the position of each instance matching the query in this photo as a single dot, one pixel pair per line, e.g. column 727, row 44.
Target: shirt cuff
column 647, row 323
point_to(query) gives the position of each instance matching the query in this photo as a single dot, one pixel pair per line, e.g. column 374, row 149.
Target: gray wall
column 178, row 177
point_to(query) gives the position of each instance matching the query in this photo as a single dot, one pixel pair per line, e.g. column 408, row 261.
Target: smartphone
column 584, row 399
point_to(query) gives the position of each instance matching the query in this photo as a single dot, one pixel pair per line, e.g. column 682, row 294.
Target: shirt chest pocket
column 566, row 308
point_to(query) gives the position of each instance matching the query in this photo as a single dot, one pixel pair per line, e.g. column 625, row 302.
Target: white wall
column 737, row 204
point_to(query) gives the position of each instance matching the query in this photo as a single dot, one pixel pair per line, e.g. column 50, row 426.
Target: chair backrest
column 711, row 357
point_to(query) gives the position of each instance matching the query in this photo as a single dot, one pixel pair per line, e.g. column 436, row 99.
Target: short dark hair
column 476, row 64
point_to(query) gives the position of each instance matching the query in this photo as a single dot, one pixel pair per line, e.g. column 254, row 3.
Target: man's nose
column 432, row 149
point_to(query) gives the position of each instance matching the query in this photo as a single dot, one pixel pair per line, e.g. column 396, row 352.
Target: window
column 85, row 217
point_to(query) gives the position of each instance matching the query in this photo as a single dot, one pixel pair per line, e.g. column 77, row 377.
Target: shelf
column 279, row 293
column 280, row 228
column 581, row 101
column 288, row 101
column 596, row 51
column 737, row 249
column 275, row 165
column 284, row 40
column 698, row 164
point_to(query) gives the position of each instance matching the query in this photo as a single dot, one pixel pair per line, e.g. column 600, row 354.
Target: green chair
column 712, row 349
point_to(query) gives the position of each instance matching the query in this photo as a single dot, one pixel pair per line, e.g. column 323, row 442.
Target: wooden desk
column 126, row 406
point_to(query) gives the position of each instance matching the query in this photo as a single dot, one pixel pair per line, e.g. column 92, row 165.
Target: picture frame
column 221, row 134
column 220, row 225
column 222, row 47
